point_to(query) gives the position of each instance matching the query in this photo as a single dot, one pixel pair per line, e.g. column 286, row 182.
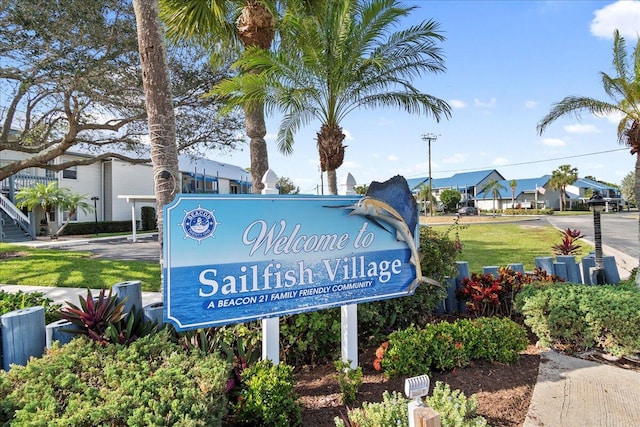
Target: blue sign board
column 231, row 259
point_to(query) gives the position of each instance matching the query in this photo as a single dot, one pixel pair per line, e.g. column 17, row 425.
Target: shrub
column 151, row 382
column 309, row 338
column 576, row 317
column 348, row 379
column 148, row 218
column 267, row 397
column 17, row 301
column 445, row 345
column 488, row 295
column 454, row 408
column 74, row 228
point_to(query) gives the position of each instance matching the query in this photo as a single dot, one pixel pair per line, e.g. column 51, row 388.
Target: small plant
column 94, row 316
column 454, row 407
column 267, row 397
column 348, row 379
column 16, row 301
column 568, row 246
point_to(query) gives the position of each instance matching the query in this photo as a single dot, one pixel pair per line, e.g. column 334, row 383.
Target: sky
column 507, row 63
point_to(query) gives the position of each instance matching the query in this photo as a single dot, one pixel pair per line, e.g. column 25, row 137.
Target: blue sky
column 507, row 63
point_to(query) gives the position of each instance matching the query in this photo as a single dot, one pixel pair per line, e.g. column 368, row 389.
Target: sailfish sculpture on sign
column 391, row 202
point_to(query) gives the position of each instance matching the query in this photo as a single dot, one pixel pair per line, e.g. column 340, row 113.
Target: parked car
column 468, row 210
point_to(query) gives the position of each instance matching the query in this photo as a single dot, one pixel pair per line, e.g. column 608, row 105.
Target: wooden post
column 426, row 417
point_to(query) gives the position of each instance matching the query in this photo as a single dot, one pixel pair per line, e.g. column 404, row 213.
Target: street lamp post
column 430, row 137
column 596, row 203
column 95, row 212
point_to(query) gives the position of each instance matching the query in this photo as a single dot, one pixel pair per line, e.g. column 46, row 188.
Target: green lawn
column 502, row 244
column 46, row 267
column 482, row 244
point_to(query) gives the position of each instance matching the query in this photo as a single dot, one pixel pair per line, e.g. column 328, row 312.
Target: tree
column 49, row 197
column 70, row 80
column 342, row 57
column 626, row 188
column 211, row 23
column 286, row 186
column 560, row 178
column 450, row 199
column 514, row 185
column 494, row 188
column 623, row 90
column 426, row 196
column 157, row 89
column 361, row 189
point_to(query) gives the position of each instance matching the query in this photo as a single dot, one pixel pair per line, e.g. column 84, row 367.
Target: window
column 65, row 216
column 70, row 173
column 234, row 189
column 49, row 173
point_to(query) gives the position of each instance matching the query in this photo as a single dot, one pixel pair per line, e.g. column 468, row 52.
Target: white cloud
column 482, row 104
column 580, row 128
column 392, row 158
column 553, row 142
column 347, row 135
column 456, row 158
column 622, row 15
column 270, row 137
column 613, row 118
column 530, row 104
column 456, row 103
column 500, row 161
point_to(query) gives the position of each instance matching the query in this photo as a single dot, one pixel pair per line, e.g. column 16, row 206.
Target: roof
column 459, row 180
column 589, row 183
column 526, row 185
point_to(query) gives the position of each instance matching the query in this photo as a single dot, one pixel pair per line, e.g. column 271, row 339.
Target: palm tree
column 623, row 89
column 217, row 25
column 514, row 185
column 71, row 203
column 49, row 197
column 560, row 178
column 342, row 57
column 494, row 188
column 426, row 195
column 159, row 104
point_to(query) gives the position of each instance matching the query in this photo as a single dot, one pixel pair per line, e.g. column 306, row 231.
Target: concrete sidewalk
column 573, row 392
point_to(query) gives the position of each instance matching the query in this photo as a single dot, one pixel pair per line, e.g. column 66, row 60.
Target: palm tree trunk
column 332, row 181
column 159, row 102
column 256, row 130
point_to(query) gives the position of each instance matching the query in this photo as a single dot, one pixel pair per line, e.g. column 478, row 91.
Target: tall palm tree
column 159, row 104
column 623, row 89
column 494, row 188
column 342, row 57
column 560, row 178
column 227, row 27
column 514, row 185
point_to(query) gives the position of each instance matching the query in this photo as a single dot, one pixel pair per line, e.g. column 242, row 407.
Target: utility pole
column 430, row 137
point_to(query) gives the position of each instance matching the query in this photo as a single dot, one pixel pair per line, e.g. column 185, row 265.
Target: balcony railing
column 24, row 181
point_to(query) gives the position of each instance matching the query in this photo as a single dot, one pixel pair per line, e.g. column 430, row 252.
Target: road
column 619, row 230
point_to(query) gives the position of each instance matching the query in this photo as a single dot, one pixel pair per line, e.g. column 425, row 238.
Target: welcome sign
column 231, row 259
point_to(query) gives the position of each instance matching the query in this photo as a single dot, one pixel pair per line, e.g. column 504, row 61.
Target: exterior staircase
column 14, row 225
column 10, row 232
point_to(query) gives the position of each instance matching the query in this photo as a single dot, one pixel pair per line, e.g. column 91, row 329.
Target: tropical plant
column 623, row 89
column 286, row 186
column 49, row 197
column 514, row 185
column 342, row 57
column 560, row 178
column 216, row 25
column 348, row 379
column 426, row 195
column 494, row 188
column 568, row 246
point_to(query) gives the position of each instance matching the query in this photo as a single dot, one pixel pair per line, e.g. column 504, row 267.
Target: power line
column 533, row 161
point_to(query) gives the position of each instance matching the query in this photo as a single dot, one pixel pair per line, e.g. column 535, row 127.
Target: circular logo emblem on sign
column 198, row 224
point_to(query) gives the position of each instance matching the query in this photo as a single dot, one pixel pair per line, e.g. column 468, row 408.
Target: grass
column 70, row 269
column 482, row 245
column 502, row 244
